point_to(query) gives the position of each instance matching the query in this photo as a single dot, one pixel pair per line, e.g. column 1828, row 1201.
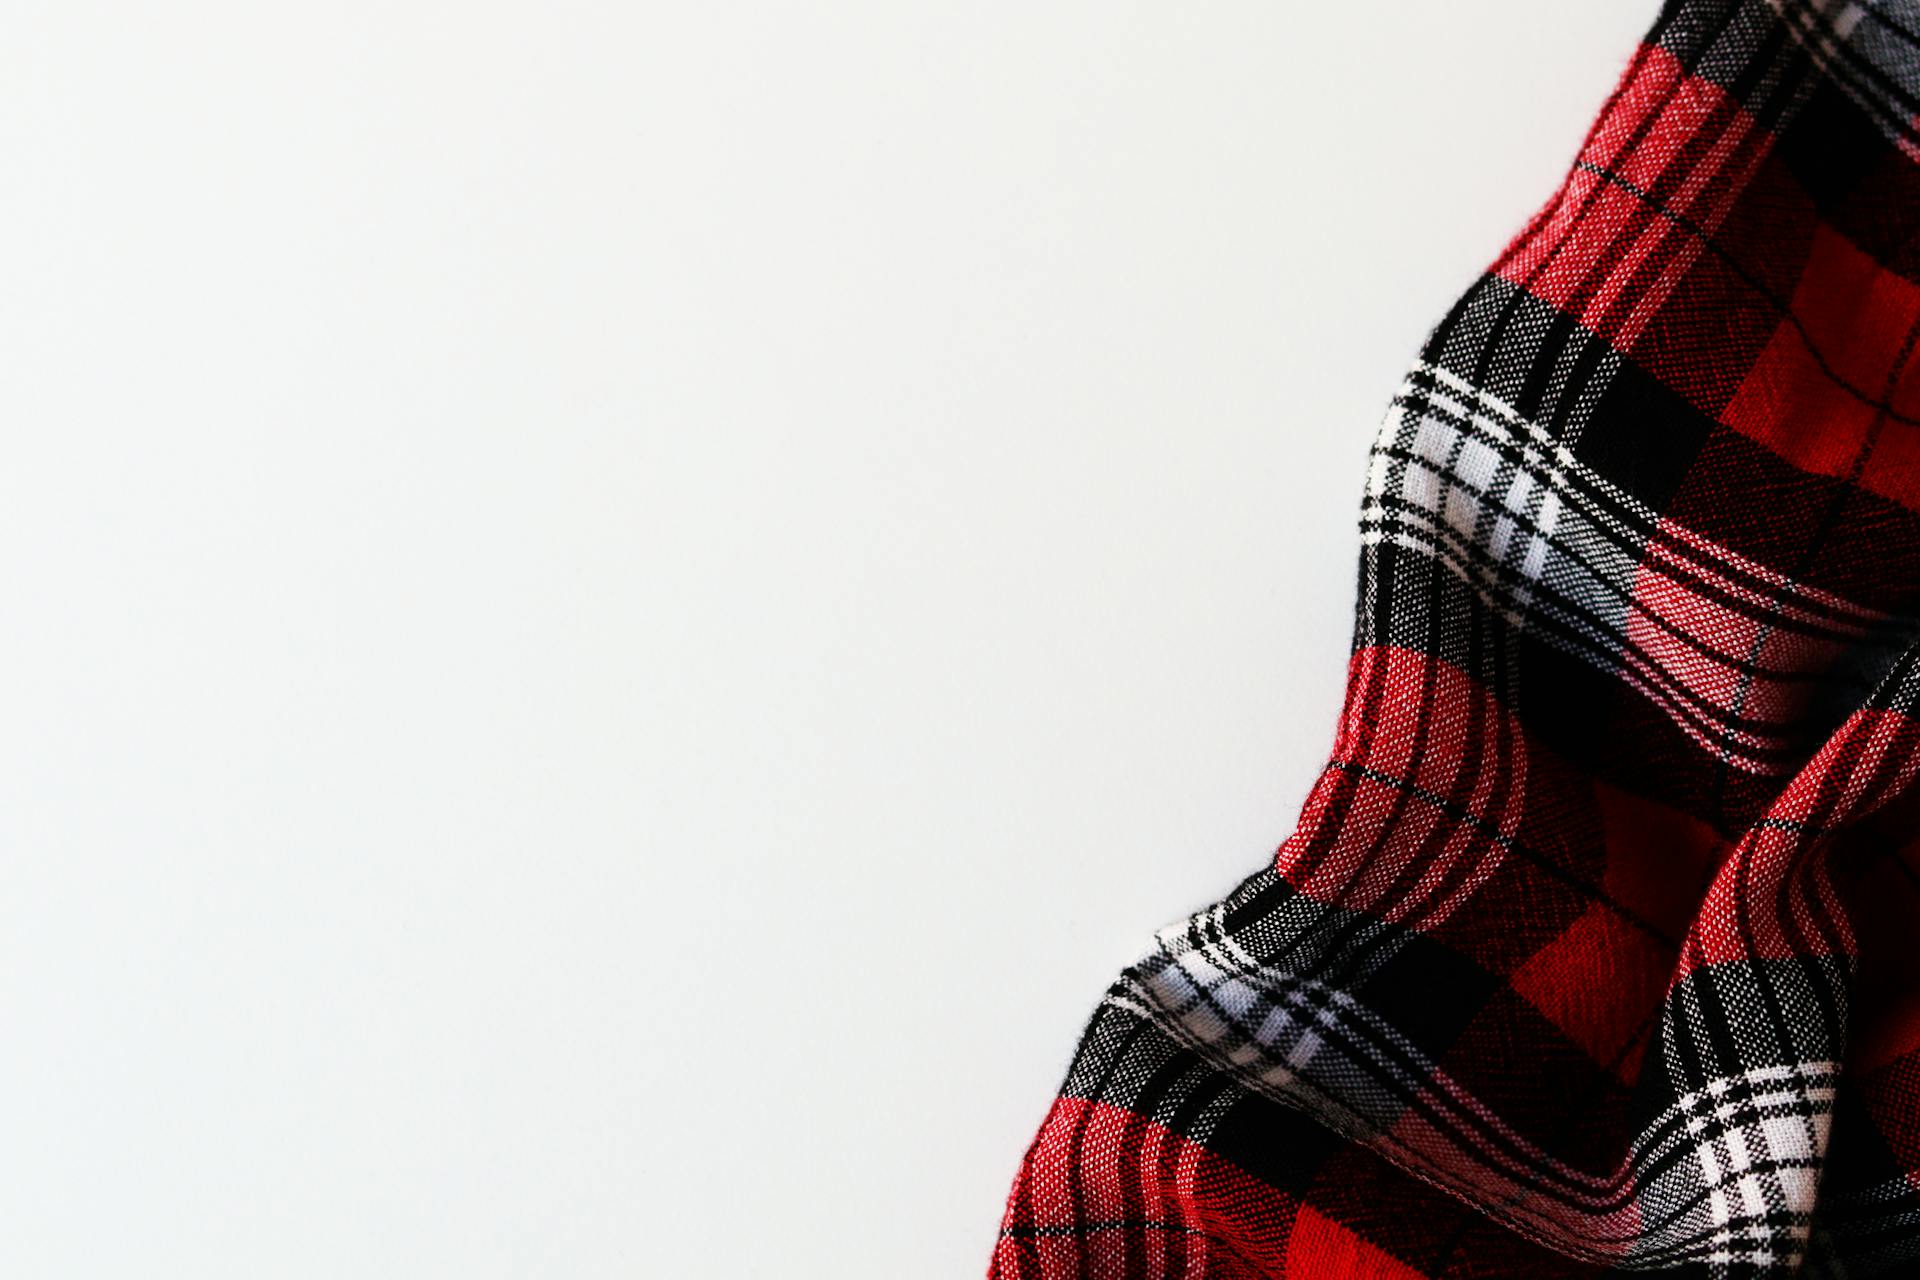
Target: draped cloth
column 1597, row 946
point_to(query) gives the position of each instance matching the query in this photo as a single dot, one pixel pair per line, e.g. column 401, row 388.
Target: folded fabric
column 1597, row 947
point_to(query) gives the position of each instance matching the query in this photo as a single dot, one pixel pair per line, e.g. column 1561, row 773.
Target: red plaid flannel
column 1597, row 947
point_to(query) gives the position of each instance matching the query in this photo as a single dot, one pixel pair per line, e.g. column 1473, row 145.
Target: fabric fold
column 1594, row 949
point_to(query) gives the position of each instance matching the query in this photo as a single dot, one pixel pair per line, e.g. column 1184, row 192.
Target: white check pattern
column 1565, row 554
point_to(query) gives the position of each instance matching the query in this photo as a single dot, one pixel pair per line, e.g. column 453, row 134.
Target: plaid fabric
column 1597, row 947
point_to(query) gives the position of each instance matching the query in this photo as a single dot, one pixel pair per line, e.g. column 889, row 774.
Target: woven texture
column 1597, row 946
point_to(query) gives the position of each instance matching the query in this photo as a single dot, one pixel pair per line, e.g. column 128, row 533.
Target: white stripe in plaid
column 1735, row 653
column 1870, row 51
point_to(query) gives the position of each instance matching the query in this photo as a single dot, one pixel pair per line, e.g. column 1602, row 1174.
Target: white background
column 613, row 617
